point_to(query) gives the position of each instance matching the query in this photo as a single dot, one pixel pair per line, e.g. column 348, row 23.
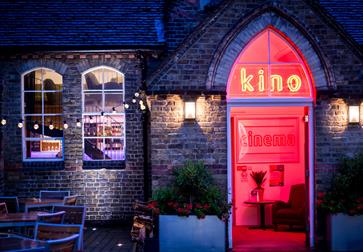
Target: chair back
column 67, row 244
column 70, row 200
column 49, row 231
column 297, row 196
column 3, row 208
column 12, row 203
column 53, row 194
column 56, row 218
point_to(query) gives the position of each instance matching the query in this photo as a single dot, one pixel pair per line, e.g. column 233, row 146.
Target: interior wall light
column 189, row 110
column 354, row 113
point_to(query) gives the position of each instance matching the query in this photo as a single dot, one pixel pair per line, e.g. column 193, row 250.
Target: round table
column 261, row 204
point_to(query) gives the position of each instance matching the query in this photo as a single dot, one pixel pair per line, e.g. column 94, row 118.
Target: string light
column 51, row 126
column 102, row 114
column 65, row 125
column 36, row 125
column 20, row 123
column 137, row 94
column 133, row 100
column 3, row 121
column 113, row 110
column 90, row 119
column 142, row 107
column 141, row 102
column 126, row 106
column 78, row 123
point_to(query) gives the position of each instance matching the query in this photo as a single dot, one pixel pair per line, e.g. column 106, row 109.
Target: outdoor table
column 261, row 204
column 17, row 243
column 36, row 203
column 18, row 219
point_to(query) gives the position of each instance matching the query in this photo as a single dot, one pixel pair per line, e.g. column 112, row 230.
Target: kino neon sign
column 293, row 82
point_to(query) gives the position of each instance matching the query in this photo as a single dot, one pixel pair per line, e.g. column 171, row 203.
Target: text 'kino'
column 293, row 82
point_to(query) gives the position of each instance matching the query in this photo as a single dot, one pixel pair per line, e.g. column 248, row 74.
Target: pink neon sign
column 269, row 67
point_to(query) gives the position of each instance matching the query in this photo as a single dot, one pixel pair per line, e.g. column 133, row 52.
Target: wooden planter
column 344, row 232
column 189, row 234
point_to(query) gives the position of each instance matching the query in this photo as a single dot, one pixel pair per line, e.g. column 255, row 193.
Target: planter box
column 189, row 234
column 345, row 233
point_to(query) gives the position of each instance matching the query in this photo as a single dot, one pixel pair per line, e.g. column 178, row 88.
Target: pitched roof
column 78, row 23
column 349, row 14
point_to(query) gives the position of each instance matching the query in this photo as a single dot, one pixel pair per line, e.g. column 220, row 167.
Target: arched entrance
column 270, row 97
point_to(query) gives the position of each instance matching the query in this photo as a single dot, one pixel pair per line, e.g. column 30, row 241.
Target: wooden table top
column 19, row 217
column 260, row 202
column 38, row 201
column 20, row 244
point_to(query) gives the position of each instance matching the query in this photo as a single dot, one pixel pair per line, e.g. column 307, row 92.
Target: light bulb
column 133, row 100
column 142, row 107
column 126, row 106
column 114, row 110
column 137, row 94
column 102, row 114
column 65, row 125
column 141, row 102
column 36, row 125
column 51, row 126
column 91, row 119
column 3, row 121
column 20, row 124
column 78, row 123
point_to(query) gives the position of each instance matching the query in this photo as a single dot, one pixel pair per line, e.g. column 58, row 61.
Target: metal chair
column 53, row 194
column 56, row 218
column 3, row 208
column 70, row 200
column 12, row 203
column 74, row 215
column 68, row 244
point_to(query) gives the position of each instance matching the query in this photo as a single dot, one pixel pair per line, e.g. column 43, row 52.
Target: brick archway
column 237, row 39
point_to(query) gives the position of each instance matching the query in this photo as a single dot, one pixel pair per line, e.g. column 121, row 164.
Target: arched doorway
column 270, row 97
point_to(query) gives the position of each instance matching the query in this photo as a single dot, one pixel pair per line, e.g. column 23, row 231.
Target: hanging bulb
column 141, row 102
column 65, row 125
column 102, row 114
column 90, row 119
column 78, row 123
column 126, row 105
column 36, row 125
column 3, row 121
column 137, row 94
column 133, row 100
column 20, row 124
column 113, row 110
column 142, row 107
column 51, row 126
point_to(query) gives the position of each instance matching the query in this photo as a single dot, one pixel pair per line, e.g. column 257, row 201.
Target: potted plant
column 259, row 178
column 343, row 203
column 192, row 211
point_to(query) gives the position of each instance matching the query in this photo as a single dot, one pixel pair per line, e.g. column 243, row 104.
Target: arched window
column 103, row 114
column 269, row 67
column 42, row 115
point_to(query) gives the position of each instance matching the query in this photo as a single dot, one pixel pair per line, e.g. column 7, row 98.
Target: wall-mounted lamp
column 354, row 114
column 189, row 110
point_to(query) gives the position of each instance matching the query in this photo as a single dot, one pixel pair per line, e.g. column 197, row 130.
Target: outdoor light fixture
column 65, row 125
column 78, row 123
column 3, row 121
column 189, row 110
column 36, row 125
column 20, row 124
column 353, row 114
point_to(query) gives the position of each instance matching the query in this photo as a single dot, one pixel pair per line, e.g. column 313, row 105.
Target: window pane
column 112, row 79
column 44, row 149
column 258, row 44
column 114, row 100
column 33, row 103
column 93, row 80
column 52, row 80
column 280, row 50
column 114, row 125
column 92, row 102
column 29, row 126
column 114, row 149
column 92, row 126
column 93, row 149
column 33, row 80
column 57, row 130
column 53, row 103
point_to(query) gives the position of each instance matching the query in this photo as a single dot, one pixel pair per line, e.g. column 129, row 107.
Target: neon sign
column 269, row 67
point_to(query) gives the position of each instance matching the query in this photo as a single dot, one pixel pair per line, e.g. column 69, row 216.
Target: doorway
column 272, row 140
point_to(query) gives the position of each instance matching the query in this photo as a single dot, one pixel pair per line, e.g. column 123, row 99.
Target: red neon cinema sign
column 269, row 67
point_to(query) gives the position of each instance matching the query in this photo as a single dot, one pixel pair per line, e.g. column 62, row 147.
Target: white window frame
column 23, row 115
column 103, row 91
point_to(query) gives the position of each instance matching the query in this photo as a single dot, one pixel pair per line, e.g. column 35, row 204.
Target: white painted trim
column 275, row 103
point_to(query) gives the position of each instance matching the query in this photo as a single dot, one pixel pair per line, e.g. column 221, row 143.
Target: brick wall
column 108, row 193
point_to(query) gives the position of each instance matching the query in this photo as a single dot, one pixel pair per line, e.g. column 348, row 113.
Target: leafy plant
column 192, row 191
column 345, row 194
column 259, row 178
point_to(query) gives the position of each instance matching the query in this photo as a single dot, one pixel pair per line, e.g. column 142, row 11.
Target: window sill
column 109, row 165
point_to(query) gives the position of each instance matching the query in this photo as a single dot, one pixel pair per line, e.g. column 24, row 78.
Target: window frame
column 43, row 115
column 94, row 114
